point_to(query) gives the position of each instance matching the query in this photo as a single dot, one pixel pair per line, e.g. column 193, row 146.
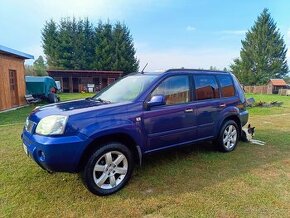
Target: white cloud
column 190, row 28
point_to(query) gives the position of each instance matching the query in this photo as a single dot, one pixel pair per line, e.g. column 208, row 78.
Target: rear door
column 229, row 97
column 174, row 123
column 208, row 107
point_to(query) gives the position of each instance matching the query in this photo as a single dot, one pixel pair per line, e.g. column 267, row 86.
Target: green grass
column 19, row 115
column 269, row 98
column 252, row 181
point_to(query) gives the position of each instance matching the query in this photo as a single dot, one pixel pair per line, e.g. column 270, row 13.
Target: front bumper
column 55, row 154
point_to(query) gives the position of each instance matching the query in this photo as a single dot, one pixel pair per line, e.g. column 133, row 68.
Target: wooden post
column 70, row 84
column 61, row 83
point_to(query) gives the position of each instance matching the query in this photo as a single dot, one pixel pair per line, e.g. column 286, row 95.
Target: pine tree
column 66, row 44
column 50, row 43
column 88, row 45
column 124, row 55
column 78, row 61
column 263, row 53
column 78, row 45
column 104, row 51
column 213, row 68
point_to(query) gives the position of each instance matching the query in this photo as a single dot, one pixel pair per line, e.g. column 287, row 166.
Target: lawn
column 252, row 181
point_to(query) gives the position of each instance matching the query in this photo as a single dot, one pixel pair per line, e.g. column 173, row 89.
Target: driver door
column 171, row 124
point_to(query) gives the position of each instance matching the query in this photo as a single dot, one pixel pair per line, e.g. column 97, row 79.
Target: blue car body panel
column 159, row 128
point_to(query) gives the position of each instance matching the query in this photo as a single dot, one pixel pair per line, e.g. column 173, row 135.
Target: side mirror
column 156, row 100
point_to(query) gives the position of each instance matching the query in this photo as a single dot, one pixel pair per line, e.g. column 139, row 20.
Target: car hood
column 70, row 108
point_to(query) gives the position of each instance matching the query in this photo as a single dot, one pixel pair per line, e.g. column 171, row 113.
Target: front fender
column 126, row 127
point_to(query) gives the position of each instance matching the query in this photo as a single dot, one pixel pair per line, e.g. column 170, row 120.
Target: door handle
column 222, row 105
column 188, row 110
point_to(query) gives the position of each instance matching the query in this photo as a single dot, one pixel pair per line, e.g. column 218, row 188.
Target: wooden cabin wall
column 11, row 63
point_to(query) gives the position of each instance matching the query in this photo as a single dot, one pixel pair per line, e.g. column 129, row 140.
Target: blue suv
column 104, row 136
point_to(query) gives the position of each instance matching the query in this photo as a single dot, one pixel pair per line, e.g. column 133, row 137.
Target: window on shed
column 206, row 87
column 227, row 86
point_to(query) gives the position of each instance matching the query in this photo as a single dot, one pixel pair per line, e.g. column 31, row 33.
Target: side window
column 175, row 89
column 206, row 87
column 227, row 86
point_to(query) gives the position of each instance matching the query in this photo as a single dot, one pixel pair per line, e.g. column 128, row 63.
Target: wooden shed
column 12, row 78
column 84, row 80
column 274, row 85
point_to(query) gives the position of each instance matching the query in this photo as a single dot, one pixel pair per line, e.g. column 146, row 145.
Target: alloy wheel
column 110, row 170
column 230, row 137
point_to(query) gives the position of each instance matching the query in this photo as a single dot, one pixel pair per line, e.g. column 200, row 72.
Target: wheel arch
column 235, row 118
column 123, row 138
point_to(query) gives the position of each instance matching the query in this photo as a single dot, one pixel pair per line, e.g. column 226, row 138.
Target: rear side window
column 227, row 86
column 206, row 87
column 175, row 89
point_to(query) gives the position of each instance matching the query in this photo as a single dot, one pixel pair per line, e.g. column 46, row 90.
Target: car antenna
column 144, row 68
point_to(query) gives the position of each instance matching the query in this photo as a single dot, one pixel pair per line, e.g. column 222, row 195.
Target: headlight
column 51, row 125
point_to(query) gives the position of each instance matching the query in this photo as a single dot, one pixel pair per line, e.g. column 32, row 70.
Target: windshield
column 126, row 89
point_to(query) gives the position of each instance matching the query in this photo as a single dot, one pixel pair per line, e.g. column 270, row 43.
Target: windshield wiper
column 98, row 99
column 101, row 100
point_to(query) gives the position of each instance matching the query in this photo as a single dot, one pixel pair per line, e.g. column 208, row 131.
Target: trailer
column 42, row 87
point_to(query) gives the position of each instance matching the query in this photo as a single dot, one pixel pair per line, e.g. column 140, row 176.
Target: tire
column 228, row 136
column 108, row 169
column 52, row 98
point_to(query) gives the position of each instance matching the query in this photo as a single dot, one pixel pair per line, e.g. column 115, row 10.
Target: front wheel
column 108, row 169
column 228, row 137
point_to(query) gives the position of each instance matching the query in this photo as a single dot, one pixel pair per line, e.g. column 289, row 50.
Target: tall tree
column 263, row 53
column 124, row 53
column 104, row 51
column 50, row 43
column 66, row 34
column 213, row 68
column 79, row 53
column 29, row 70
column 89, row 44
column 39, row 67
column 77, row 44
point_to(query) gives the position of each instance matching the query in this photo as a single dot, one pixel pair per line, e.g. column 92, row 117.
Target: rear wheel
column 228, row 137
column 108, row 169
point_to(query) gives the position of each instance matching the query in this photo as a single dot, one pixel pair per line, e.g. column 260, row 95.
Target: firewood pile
column 252, row 103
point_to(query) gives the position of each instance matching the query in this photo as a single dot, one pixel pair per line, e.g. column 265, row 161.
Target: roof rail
column 188, row 69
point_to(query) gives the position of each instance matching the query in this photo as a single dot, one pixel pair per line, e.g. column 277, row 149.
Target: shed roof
column 14, row 52
column 84, row 71
column 278, row 82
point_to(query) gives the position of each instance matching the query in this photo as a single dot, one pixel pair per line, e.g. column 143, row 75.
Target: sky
column 166, row 33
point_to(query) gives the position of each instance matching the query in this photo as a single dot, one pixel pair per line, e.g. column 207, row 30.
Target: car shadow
column 198, row 166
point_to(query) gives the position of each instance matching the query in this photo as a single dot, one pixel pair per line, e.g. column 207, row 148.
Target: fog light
column 41, row 155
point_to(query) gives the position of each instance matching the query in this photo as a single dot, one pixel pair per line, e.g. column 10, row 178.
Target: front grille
column 29, row 125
